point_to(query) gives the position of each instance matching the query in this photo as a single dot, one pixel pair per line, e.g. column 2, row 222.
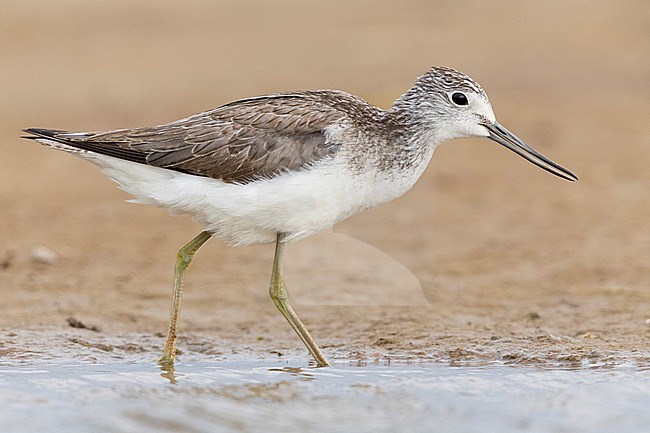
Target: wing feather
column 237, row 142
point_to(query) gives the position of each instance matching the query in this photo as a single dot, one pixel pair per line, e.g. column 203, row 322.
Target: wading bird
column 281, row 167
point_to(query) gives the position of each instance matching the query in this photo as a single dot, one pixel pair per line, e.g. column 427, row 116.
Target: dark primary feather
column 237, row 142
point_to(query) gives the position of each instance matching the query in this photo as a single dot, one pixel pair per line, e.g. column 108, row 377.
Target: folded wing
column 238, row 142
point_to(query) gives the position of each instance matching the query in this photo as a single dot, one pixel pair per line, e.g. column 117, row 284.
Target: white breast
column 297, row 203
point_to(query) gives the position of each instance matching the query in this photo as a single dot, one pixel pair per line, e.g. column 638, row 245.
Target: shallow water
column 275, row 396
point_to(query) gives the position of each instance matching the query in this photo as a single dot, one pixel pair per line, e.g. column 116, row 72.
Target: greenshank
column 281, row 167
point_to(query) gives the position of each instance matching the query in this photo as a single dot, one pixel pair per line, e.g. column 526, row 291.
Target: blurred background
column 488, row 245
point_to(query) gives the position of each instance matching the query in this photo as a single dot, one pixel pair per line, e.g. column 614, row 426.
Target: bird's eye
column 459, row 98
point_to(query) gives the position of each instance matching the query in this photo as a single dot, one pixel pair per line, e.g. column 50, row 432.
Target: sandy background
column 487, row 259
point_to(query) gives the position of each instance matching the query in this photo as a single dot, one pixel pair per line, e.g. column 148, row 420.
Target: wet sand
column 488, row 259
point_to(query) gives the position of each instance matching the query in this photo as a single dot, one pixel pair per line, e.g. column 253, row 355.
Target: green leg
column 281, row 298
column 183, row 259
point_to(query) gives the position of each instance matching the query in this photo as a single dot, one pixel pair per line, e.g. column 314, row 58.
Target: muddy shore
column 487, row 259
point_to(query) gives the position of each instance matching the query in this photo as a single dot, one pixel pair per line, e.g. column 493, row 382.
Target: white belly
column 297, row 203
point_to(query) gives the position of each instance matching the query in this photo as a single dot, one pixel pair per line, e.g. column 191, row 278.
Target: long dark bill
column 506, row 138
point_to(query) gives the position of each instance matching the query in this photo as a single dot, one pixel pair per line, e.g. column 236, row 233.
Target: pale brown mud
column 487, row 259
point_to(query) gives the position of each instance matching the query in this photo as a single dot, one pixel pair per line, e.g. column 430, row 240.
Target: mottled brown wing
column 238, row 142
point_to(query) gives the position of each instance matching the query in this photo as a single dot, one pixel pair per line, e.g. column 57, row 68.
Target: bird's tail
column 51, row 138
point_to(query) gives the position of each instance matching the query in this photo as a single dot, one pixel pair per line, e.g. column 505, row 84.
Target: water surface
column 278, row 396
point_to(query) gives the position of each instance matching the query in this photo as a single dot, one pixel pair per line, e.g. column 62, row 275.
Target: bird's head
column 445, row 104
